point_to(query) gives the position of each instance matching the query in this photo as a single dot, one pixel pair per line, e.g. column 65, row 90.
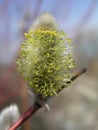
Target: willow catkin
column 45, row 58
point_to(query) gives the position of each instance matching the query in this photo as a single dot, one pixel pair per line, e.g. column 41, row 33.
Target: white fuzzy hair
column 47, row 20
column 8, row 116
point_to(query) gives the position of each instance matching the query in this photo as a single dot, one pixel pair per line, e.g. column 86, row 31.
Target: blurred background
column 76, row 107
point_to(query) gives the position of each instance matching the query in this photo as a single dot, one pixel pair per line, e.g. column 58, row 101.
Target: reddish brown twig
column 25, row 116
column 36, row 106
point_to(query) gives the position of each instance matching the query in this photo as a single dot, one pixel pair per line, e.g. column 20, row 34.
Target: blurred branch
column 8, row 90
column 37, row 9
column 87, row 15
column 7, row 76
column 4, row 5
column 4, row 11
column 66, row 9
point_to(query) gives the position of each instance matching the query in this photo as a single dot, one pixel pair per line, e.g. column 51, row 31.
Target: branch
column 36, row 106
column 74, row 77
column 78, row 74
column 25, row 116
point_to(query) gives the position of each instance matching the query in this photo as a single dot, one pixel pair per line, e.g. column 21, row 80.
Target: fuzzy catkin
column 45, row 57
column 9, row 116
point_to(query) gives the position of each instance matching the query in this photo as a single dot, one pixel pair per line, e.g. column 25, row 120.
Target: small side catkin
column 9, row 116
column 45, row 58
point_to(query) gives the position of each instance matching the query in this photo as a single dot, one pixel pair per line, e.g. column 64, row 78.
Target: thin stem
column 78, row 74
column 75, row 77
column 36, row 106
column 25, row 116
